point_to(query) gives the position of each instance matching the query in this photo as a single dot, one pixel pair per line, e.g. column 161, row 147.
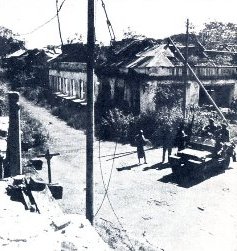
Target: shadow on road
column 124, row 168
column 120, row 155
column 158, row 166
column 116, row 154
column 188, row 181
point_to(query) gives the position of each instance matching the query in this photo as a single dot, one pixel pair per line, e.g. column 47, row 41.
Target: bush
column 77, row 121
column 123, row 127
column 37, row 94
column 168, row 96
column 201, row 117
column 75, row 118
column 118, row 126
column 33, row 133
column 115, row 125
column 166, row 118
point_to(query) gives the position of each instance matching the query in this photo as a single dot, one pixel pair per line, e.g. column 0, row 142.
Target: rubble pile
column 40, row 223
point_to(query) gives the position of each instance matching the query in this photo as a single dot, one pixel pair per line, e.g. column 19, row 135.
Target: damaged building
column 128, row 73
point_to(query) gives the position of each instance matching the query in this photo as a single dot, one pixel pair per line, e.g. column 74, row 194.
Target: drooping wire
column 101, row 172
column 42, row 25
column 59, row 25
column 106, row 193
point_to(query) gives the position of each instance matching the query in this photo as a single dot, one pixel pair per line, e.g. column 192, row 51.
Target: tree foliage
column 167, row 96
column 8, row 42
column 215, row 34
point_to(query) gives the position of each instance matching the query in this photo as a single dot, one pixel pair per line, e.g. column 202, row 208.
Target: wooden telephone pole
column 185, row 74
column 90, row 112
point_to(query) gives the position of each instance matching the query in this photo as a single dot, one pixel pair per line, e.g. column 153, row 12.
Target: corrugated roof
column 160, row 61
column 158, row 56
column 158, row 49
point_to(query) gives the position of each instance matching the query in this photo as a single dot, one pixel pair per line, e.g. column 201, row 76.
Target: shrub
column 168, row 96
column 77, row 121
column 37, row 94
column 33, row 133
column 201, row 118
column 118, row 126
column 115, row 125
column 166, row 118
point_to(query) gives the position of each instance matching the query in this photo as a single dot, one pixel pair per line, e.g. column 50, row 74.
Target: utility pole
column 90, row 111
column 198, row 81
column 185, row 74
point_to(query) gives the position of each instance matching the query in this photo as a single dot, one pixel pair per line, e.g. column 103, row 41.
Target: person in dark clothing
column 210, row 129
column 141, row 141
column 167, row 142
column 181, row 138
column 224, row 133
column 222, row 136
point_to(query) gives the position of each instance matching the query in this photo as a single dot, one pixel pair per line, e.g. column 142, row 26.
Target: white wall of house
column 147, row 94
column 192, row 93
column 70, row 83
column 73, row 83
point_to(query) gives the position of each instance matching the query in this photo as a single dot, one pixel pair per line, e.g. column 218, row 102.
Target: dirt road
column 151, row 206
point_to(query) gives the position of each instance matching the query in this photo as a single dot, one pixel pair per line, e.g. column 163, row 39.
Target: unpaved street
column 151, row 206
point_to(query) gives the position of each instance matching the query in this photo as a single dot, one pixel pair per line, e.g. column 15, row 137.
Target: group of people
column 168, row 140
column 222, row 136
column 220, row 133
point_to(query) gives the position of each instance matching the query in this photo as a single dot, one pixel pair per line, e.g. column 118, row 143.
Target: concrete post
column 14, row 135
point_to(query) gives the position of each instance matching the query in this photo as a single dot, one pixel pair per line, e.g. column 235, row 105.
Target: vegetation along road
column 157, row 212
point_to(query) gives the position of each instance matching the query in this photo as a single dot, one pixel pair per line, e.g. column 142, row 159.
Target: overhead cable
column 106, row 188
column 42, row 25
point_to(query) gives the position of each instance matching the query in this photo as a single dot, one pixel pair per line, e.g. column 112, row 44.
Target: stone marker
column 14, row 137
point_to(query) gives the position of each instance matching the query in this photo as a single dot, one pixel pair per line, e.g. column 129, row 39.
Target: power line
column 106, row 193
column 106, row 188
column 42, row 25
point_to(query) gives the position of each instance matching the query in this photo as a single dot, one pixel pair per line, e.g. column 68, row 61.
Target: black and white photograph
column 118, row 125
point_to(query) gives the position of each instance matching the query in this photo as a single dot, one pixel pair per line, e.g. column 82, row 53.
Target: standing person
column 181, row 138
column 224, row 133
column 141, row 141
column 222, row 136
column 167, row 142
column 210, row 129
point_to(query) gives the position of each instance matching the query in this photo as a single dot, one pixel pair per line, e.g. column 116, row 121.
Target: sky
column 152, row 18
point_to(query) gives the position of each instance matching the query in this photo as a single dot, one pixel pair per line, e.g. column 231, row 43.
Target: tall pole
column 90, row 111
column 198, row 81
column 185, row 76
